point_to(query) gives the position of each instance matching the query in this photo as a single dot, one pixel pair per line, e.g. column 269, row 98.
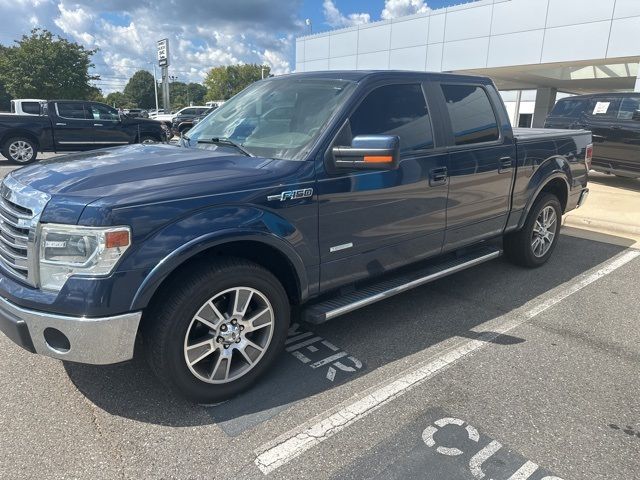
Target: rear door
column 374, row 220
column 481, row 164
column 72, row 126
column 107, row 127
column 624, row 139
column 601, row 117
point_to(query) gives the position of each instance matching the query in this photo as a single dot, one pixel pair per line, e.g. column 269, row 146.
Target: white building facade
column 573, row 46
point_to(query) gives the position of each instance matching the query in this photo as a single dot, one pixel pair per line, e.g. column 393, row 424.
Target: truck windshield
column 276, row 118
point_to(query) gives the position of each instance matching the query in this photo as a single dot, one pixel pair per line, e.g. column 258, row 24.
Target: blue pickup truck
column 313, row 193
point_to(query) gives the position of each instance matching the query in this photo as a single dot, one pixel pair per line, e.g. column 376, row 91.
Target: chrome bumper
column 98, row 341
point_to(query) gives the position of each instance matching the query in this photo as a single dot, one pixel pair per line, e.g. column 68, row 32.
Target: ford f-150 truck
column 313, row 193
column 72, row 125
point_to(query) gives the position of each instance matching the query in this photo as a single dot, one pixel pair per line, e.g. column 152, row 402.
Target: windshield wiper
column 227, row 141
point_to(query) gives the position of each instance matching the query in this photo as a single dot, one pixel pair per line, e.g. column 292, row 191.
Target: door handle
column 505, row 165
column 97, row 125
column 438, row 176
column 59, row 124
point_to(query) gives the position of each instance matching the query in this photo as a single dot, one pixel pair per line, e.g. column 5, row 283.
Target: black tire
column 518, row 245
column 148, row 139
column 15, row 147
column 168, row 321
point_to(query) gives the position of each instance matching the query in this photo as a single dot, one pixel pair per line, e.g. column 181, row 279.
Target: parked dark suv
column 614, row 119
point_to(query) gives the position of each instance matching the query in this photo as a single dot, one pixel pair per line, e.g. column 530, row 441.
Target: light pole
column 155, row 84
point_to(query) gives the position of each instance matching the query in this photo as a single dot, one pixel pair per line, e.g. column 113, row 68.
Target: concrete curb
column 582, row 222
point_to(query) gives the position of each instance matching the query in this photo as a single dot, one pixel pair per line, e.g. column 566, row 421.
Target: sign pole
column 163, row 62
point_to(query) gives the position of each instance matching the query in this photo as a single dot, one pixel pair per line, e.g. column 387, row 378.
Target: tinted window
column 188, row 111
column 472, row 117
column 31, row 107
column 603, row 107
column 628, row 107
column 395, row 110
column 103, row 112
column 71, row 110
column 568, row 108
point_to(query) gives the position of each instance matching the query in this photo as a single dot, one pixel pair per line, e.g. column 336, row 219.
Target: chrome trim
column 583, row 197
column 20, row 210
column 94, row 143
column 97, row 341
column 408, row 286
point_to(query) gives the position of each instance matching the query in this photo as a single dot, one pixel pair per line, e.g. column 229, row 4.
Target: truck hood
column 131, row 170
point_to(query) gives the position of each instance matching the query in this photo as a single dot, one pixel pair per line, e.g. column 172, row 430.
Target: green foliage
column 119, row 100
column 224, row 82
column 185, row 94
column 140, row 91
column 44, row 65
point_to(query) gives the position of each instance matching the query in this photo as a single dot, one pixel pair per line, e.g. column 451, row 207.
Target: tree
column 140, row 90
column 44, row 65
column 224, row 82
column 185, row 94
column 118, row 100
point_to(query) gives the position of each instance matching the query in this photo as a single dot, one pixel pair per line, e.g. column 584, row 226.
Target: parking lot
column 496, row 372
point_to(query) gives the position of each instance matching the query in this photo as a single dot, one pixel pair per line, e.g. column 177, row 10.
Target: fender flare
column 548, row 179
column 199, row 244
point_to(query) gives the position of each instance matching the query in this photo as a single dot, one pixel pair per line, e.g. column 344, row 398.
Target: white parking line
column 291, row 445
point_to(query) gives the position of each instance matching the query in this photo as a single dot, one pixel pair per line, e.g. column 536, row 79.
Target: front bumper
column 97, row 341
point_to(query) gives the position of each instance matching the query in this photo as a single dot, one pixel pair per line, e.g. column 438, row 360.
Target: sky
column 202, row 33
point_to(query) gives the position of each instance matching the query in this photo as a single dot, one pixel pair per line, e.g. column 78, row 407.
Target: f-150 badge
column 291, row 195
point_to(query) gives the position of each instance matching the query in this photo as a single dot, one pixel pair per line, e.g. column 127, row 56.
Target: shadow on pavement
column 632, row 184
column 374, row 336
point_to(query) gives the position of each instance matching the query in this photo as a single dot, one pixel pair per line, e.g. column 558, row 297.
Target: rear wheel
column 534, row 243
column 217, row 330
column 20, row 150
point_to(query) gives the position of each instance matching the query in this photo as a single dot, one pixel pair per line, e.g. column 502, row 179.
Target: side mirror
column 369, row 152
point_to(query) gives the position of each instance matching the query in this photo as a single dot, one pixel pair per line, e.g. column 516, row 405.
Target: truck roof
column 359, row 75
column 604, row 94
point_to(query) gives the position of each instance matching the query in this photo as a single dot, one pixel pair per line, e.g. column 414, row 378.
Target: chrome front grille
column 20, row 209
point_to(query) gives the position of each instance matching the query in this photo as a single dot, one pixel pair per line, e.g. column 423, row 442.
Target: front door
column 481, row 165
column 373, row 221
column 107, row 127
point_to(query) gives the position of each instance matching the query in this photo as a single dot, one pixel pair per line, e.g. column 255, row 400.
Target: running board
column 334, row 307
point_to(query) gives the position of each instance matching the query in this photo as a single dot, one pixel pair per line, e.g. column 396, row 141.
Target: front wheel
column 20, row 150
column 534, row 243
column 148, row 139
column 216, row 330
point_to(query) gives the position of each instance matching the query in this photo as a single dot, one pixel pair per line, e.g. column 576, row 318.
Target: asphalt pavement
column 497, row 372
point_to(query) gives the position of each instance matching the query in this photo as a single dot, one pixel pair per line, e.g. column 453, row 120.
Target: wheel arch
column 263, row 249
column 19, row 133
column 557, row 183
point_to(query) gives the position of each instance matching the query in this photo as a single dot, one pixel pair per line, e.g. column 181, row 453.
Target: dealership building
column 534, row 50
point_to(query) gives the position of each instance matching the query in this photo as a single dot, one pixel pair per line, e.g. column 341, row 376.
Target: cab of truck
column 27, row 106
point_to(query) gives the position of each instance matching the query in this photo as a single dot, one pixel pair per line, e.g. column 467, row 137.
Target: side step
column 334, row 307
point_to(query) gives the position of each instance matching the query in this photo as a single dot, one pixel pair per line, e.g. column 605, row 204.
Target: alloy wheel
column 544, row 231
column 229, row 335
column 21, row 151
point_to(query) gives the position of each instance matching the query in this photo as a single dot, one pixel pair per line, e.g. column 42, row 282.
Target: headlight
column 67, row 250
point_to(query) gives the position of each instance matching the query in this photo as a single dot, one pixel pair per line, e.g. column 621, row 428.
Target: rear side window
column 395, row 110
column 31, row 107
column 71, row 110
column 628, row 107
column 103, row 112
column 568, row 108
column 604, row 107
column 472, row 117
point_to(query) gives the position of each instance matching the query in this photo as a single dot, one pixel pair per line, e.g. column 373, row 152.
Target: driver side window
column 103, row 112
column 395, row 110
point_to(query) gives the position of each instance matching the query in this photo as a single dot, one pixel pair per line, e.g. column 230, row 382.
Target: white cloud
column 335, row 18
column 400, row 8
